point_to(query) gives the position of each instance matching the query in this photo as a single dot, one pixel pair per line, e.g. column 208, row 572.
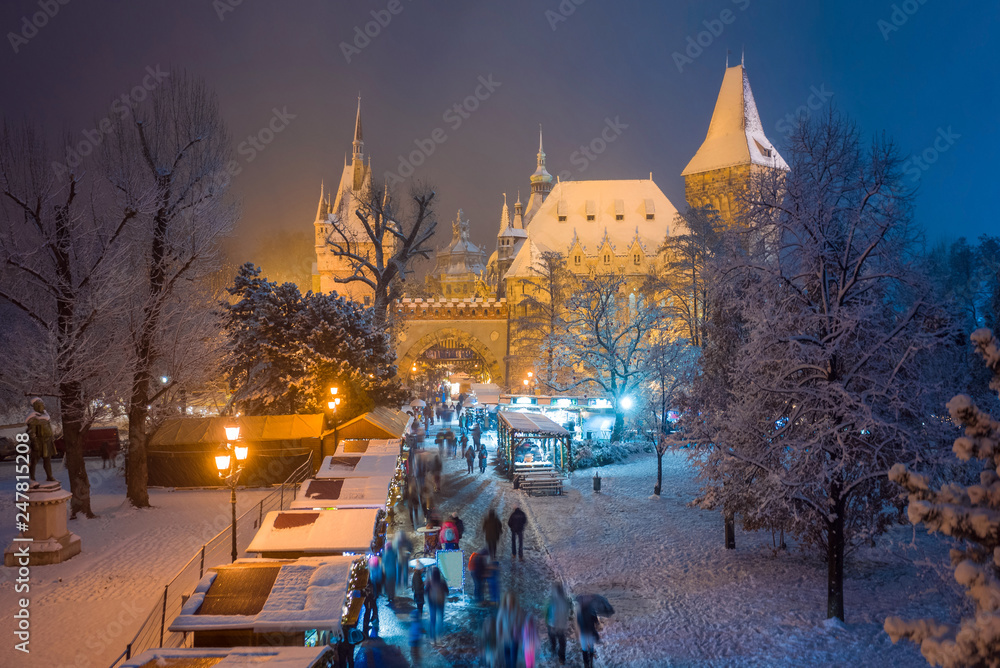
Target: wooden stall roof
column 343, row 493
column 532, row 423
column 360, row 465
column 487, row 393
column 308, row 593
column 378, row 423
column 253, row 428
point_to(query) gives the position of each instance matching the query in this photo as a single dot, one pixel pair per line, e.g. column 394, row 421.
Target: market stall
column 532, row 438
column 234, row 657
column 290, row 534
column 343, row 493
column 360, row 466
column 276, row 603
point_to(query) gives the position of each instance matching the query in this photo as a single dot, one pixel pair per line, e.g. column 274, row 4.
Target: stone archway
column 417, row 348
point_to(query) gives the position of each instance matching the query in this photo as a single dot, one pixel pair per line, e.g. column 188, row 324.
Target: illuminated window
column 636, row 259
column 576, row 259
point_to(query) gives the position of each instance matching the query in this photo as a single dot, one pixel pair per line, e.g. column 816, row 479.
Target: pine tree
column 972, row 515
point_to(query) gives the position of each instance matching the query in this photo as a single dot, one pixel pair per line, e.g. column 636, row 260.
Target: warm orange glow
column 241, row 452
column 232, row 432
column 222, row 462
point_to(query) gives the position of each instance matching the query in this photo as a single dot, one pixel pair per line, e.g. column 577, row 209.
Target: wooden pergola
column 515, row 428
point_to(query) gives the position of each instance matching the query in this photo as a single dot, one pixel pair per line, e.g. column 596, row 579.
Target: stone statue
column 40, row 436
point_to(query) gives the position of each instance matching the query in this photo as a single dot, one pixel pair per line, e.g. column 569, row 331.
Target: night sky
column 920, row 71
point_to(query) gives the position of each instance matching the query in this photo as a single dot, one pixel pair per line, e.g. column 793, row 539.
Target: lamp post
column 229, row 463
column 332, row 405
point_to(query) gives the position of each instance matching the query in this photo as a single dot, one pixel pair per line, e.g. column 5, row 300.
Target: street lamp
column 229, row 463
column 332, row 405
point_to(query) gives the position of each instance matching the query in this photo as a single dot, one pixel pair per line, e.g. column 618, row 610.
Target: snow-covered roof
column 361, row 465
column 605, row 201
column 379, row 423
column 229, row 657
column 735, row 135
column 532, row 423
column 316, row 531
column 344, row 493
column 253, row 429
column 307, row 593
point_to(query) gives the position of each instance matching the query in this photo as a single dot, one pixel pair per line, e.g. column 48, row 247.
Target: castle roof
column 591, row 211
column 735, row 135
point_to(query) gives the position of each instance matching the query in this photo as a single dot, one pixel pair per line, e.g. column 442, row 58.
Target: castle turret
column 358, row 155
column 734, row 148
column 541, row 183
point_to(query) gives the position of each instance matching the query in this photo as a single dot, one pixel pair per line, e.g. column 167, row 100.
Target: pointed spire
column 359, row 142
column 323, row 207
column 540, row 150
column 504, row 216
column 541, row 180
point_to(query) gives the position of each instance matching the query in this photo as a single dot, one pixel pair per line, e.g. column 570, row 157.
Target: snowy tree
column 972, row 515
column 684, row 280
column 828, row 383
column 381, row 240
column 168, row 159
column 538, row 327
column 60, row 263
column 611, row 327
column 285, row 350
column 672, row 363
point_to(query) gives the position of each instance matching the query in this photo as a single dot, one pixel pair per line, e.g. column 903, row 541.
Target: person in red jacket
column 449, row 535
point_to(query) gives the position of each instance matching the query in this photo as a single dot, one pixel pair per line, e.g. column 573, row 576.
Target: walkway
column 471, row 496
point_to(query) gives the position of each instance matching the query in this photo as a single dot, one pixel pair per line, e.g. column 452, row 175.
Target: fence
column 154, row 632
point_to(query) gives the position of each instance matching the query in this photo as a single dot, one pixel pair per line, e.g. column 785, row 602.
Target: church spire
column 359, row 143
column 323, row 209
column 541, row 180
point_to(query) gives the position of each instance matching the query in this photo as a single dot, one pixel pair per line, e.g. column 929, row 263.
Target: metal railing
column 218, row 550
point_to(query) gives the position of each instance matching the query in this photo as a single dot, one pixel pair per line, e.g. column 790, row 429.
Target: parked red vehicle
column 93, row 442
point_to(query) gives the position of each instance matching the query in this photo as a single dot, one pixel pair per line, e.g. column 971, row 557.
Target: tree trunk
column 835, row 558
column 137, row 467
column 73, row 433
column 659, row 473
column 619, row 428
column 730, row 529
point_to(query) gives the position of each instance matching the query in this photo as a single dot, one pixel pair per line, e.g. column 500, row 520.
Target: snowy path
column 682, row 600
column 85, row 610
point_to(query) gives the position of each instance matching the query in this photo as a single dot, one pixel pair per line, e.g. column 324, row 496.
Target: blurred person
column 415, row 634
column 470, row 458
column 417, row 587
column 492, row 528
column 482, row 459
column 449, row 535
column 557, row 619
column 477, row 569
column 516, row 522
column 529, row 641
column 586, row 621
column 437, row 592
column 390, row 564
column 404, row 548
column 508, row 623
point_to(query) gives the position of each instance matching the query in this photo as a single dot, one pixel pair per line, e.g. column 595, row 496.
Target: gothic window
column 562, row 219
column 576, row 259
column 607, row 258
column 590, row 216
column 636, row 259
column 619, row 216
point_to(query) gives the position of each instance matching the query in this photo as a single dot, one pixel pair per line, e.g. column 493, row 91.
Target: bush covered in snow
column 969, row 513
column 590, row 453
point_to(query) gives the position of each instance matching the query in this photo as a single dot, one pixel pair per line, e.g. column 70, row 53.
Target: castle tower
column 509, row 240
column 734, row 148
column 541, row 183
column 358, row 154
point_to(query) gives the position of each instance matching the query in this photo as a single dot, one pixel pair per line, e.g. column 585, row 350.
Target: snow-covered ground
column 683, row 600
column 85, row 610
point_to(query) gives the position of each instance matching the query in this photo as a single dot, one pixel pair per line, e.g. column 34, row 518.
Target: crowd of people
column 509, row 636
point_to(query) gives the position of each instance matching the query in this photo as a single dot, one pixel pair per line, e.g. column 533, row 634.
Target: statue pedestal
column 47, row 539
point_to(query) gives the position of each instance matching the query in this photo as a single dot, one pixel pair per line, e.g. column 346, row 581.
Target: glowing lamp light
column 222, row 463
column 331, row 405
column 333, row 390
column 530, row 374
column 232, row 432
column 241, row 452
column 627, row 403
column 525, row 381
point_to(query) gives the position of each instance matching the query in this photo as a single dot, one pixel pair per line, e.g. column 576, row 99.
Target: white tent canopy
column 316, row 532
column 360, row 466
column 343, row 493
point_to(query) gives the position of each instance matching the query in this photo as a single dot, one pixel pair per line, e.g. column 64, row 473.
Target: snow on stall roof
column 229, row 657
column 307, row 594
column 735, row 134
column 343, row 493
column 316, row 531
column 534, row 423
column 360, row 465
